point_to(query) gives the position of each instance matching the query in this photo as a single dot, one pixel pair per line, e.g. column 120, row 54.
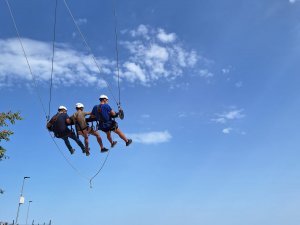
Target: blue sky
column 211, row 100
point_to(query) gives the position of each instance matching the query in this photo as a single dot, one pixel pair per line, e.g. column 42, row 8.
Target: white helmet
column 62, row 107
column 79, row 105
column 103, row 96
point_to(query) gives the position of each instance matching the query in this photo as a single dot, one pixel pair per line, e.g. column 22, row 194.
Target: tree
column 5, row 134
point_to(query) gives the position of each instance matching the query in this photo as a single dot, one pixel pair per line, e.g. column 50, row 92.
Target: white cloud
column 81, row 21
column 157, row 52
column 153, row 55
column 227, row 130
column 70, row 66
column 142, row 30
column 292, row 1
column 164, row 37
column 155, row 137
column 205, row 73
column 134, row 72
column 160, row 55
column 234, row 114
column 225, row 70
column 230, row 115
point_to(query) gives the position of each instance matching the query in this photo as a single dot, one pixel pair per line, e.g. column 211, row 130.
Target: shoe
column 83, row 151
column 72, row 150
column 128, row 142
column 104, row 150
column 113, row 144
column 87, row 151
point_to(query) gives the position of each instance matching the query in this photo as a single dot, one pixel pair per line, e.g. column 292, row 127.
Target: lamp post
column 28, row 211
column 21, row 198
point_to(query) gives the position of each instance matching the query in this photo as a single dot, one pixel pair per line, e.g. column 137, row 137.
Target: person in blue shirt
column 60, row 128
column 105, row 116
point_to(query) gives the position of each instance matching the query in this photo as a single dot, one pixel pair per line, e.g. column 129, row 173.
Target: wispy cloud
column 70, row 67
column 164, row 37
column 154, row 55
column 230, row 130
column 155, row 137
column 225, row 70
column 229, row 118
column 227, row 130
column 292, row 1
column 230, row 115
column 205, row 73
column 81, row 21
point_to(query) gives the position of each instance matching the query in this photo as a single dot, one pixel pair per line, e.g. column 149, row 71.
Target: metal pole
column 28, row 211
column 21, row 199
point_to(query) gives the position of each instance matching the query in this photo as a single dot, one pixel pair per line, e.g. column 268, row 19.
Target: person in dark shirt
column 60, row 128
column 105, row 116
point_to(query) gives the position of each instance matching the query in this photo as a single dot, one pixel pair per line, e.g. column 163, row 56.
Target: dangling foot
column 87, row 151
column 104, row 150
column 129, row 141
column 72, row 150
column 113, row 144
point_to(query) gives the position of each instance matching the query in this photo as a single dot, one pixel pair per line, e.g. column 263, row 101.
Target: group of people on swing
column 102, row 113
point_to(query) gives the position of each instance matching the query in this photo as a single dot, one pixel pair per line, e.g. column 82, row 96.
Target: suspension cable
column 101, row 167
column 89, row 49
column 67, row 160
column 52, row 61
column 35, row 83
column 25, row 55
column 116, row 48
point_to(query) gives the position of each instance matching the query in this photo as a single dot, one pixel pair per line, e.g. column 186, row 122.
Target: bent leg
column 67, row 143
column 121, row 135
column 99, row 139
column 85, row 135
column 73, row 136
column 109, row 138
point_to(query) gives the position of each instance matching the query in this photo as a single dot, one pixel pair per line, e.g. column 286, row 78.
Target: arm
column 93, row 113
column 68, row 121
column 113, row 114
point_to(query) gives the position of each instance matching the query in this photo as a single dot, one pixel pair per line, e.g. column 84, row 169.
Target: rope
column 117, row 49
column 52, row 61
column 67, row 160
column 99, row 169
column 89, row 49
column 25, row 55
column 57, row 146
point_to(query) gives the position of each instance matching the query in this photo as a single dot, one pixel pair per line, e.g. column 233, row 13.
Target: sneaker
column 72, row 150
column 83, row 151
column 128, row 142
column 87, row 153
column 113, row 144
column 104, row 150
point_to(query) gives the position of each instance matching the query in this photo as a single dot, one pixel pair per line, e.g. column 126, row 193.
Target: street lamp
column 21, row 199
column 28, row 211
